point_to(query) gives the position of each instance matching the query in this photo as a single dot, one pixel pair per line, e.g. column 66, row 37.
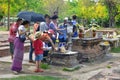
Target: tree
column 51, row 6
column 113, row 10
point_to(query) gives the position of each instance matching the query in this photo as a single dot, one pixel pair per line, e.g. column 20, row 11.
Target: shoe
column 31, row 61
column 21, row 72
column 15, row 72
column 38, row 70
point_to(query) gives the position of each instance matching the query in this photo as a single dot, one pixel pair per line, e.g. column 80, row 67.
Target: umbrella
column 31, row 16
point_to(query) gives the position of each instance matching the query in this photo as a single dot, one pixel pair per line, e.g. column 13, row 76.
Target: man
column 44, row 26
column 35, row 29
column 47, row 20
column 63, row 32
column 12, row 35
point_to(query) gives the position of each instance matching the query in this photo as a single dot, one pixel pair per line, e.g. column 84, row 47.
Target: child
column 38, row 48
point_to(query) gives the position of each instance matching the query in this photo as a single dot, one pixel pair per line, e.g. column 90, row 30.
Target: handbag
column 22, row 38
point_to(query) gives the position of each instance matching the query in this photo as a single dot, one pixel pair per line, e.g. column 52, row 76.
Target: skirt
column 18, row 55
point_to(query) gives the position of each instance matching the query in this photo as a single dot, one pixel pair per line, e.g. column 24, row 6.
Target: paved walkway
column 25, row 61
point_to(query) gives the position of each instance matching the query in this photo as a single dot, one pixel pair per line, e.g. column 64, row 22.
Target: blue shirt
column 64, row 32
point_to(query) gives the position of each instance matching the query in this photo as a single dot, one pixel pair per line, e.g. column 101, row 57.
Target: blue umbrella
column 31, row 16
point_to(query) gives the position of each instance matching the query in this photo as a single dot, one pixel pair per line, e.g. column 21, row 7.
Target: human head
column 74, row 17
column 26, row 23
column 55, row 13
column 37, row 22
column 65, row 19
column 19, row 21
column 54, row 18
column 38, row 35
column 47, row 18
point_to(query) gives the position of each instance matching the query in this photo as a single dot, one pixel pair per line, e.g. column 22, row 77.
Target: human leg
column 38, row 59
column 31, row 53
column 11, row 49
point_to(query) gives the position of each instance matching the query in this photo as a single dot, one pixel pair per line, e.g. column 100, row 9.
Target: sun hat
column 38, row 34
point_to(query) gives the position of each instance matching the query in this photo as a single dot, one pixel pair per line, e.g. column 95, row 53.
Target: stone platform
column 89, row 48
column 68, row 59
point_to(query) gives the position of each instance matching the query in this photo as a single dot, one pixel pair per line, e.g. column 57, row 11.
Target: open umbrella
column 31, row 16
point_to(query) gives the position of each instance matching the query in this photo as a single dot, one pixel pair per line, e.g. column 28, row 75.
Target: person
column 38, row 48
column 54, row 25
column 45, row 37
column 43, row 27
column 74, row 22
column 19, row 47
column 35, row 29
column 63, row 32
column 50, row 33
column 12, row 35
column 47, row 20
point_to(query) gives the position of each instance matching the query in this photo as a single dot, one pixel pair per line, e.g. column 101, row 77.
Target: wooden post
column 8, row 14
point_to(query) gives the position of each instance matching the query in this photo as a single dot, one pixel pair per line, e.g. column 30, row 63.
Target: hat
column 37, row 34
column 66, row 18
column 54, row 17
column 51, row 31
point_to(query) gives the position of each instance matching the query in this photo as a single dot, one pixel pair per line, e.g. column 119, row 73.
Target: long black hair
column 25, row 22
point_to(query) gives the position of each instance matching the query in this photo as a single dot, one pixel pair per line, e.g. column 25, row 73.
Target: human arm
column 22, row 30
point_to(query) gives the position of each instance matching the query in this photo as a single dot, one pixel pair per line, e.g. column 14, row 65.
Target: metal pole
column 8, row 14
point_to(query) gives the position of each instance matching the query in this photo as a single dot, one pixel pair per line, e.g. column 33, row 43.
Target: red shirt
column 12, row 32
column 38, row 45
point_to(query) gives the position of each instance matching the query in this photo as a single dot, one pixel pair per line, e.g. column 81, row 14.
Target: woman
column 19, row 48
column 12, row 35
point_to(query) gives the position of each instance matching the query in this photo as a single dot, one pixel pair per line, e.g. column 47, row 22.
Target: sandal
column 38, row 70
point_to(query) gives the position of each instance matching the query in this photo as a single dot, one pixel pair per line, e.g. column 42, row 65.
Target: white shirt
column 43, row 27
column 20, row 28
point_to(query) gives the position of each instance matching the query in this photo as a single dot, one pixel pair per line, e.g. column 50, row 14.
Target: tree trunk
column 8, row 14
column 111, row 20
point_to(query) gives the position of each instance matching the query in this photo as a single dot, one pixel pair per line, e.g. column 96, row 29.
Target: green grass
column 3, row 28
column 71, row 69
column 33, row 78
column 45, row 66
column 115, row 50
column 108, row 66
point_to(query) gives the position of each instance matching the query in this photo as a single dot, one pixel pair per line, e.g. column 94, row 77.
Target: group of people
column 44, row 36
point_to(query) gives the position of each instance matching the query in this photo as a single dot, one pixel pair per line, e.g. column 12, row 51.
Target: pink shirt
column 12, row 32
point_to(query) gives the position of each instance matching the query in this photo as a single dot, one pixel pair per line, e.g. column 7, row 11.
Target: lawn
column 3, row 28
column 115, row 50
column 33, row 78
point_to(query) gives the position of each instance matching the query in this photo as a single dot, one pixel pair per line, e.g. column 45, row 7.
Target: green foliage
column 108, row 66
column 3, row 28
column 115, row 50
column 34, row 78
column 84, row 9
column 45, row 66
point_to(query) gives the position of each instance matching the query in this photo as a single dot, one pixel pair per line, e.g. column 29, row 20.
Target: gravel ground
column 88, row 71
